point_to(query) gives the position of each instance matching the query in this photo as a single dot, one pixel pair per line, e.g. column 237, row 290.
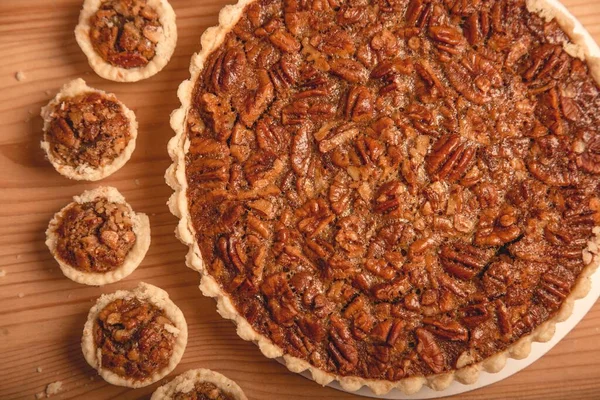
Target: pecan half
column 430, row 351
column 342, row 346
column 226, row 69
column 553, row 290
column 257, row 101
column 463, row 260
column 349, row 70
column 281, row 299
column 271, row 137
column 337, row 137
column 285, row 41
column 446, row 328
column 359, row 104
column 450, row 158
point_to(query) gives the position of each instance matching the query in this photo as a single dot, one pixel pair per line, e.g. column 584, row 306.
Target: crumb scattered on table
column 137, row 182
column 2, row 273
column 21, row 295
column 40, row 395
column 53, row 388
column 39, row 369
column 20, row 76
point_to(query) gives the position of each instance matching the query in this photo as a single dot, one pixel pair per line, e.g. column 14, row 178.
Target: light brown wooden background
column 42, row 312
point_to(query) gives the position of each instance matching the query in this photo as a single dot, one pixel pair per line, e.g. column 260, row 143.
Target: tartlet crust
column 141, row 228
column 159, row 298
column 86, row 172
column 581, row 45
column 185, row 383
column 164, row 48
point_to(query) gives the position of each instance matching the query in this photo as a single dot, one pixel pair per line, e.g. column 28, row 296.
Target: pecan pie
column 88, row 134
column 98, row 239
column 127, row 40
column 391, row 192
column 134, row 338
column 200, row 384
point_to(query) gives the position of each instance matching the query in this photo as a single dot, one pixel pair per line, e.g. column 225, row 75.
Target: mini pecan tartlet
column 127, row 40
column 200, row 384
column 88, row 134
column 134, row 338
column 98, row 239
column 391, row 193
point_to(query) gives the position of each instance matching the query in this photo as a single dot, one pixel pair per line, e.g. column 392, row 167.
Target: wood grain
column 42, row 312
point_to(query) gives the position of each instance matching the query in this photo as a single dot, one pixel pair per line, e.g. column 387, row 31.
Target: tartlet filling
column 204, row 391
column 125, row 32
column 88, row 129
column 95, row 236
column 390, row 189
column 134, row 338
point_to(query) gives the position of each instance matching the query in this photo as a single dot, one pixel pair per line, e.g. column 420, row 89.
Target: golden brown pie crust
column 466, row 371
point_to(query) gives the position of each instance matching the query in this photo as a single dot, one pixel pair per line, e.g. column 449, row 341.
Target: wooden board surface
column 42, row 312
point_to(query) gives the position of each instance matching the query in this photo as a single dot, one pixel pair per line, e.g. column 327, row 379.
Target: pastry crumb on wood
column 20, row 76
column 51, row 390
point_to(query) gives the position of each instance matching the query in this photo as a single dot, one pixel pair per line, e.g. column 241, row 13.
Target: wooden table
column 42, row 312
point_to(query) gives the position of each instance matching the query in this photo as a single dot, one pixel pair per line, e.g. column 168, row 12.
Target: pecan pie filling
column 125, row 32
column 95, row 236
column 389, row 188
column 204, row 391
column 88, row 129
column 132, row 338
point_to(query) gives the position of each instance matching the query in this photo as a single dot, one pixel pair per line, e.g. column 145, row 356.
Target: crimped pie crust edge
column 186, row 381
column 153, row 295
column 164, row 48
column 85, row 172
column 141, row 228
column 581, row 45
